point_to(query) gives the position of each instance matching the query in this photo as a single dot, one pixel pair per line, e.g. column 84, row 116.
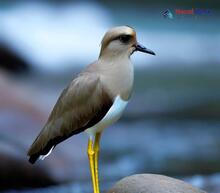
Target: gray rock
column 152, row 183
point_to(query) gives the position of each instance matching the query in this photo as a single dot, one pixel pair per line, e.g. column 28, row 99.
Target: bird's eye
column 124, row 38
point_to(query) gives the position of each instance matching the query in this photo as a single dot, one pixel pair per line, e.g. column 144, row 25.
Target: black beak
column 141, row 48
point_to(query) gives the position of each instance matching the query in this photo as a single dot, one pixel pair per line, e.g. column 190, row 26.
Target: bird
column 94, row 99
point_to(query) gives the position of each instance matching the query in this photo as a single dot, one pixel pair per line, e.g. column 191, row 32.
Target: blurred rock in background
column 12, row 62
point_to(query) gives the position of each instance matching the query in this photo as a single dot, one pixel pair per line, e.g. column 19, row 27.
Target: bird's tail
column 40, row 147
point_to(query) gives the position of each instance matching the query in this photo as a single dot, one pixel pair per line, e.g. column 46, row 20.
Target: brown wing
column 81, row 105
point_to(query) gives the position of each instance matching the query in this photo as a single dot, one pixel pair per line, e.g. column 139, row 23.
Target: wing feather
column 80, row 106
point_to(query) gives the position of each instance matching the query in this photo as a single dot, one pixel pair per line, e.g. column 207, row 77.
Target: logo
column 193, row 11
column 168, row 14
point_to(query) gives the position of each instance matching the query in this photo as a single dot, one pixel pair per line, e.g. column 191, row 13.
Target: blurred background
column 172, row 124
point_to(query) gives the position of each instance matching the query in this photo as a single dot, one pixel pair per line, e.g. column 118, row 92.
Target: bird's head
column 121, row 40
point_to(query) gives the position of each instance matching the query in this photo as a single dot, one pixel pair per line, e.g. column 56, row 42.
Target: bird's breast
column 111, row 117
column 119, row 80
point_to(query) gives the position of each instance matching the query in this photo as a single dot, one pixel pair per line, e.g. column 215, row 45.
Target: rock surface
column 152, row 183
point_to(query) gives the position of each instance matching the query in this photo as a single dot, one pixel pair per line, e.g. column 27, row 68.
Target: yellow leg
column 96, row 151
column 91, row 154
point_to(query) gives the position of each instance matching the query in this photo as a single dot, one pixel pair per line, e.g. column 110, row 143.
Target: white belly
column 111, row 117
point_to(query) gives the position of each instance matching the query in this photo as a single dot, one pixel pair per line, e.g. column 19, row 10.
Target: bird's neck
column 118, row 75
